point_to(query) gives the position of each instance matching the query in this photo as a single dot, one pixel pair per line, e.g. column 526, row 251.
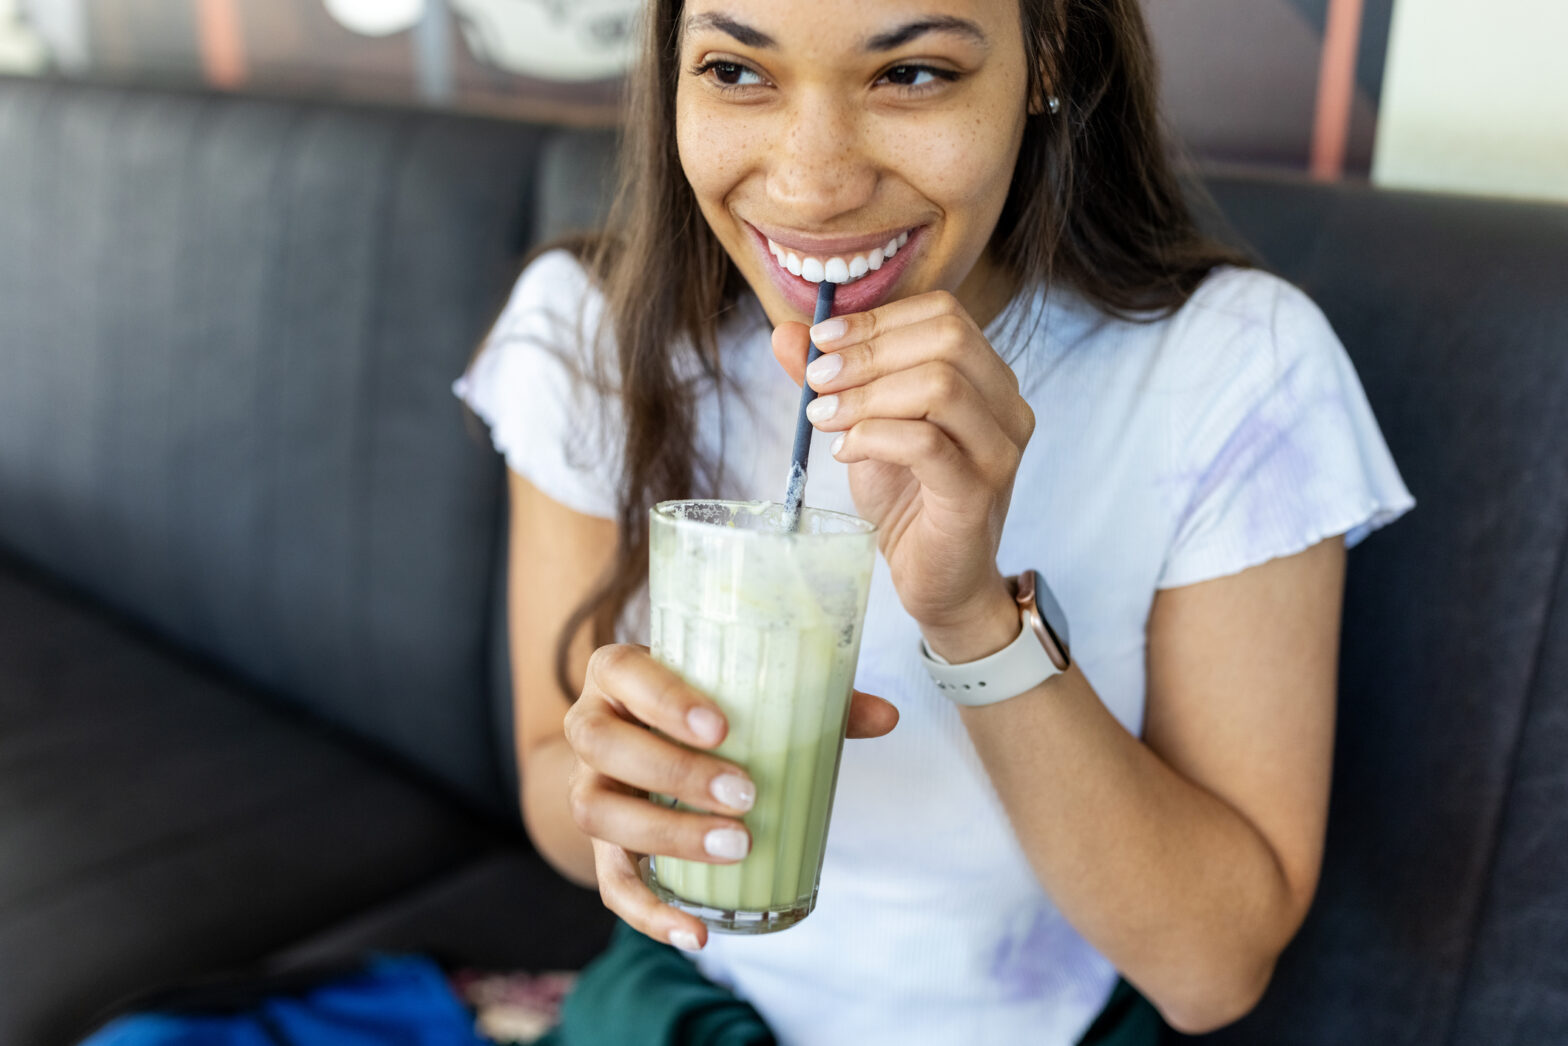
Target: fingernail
column 728, row 843
column 705, row 723
column 685, row 940
column 824, row 368
column 829, row 330
column 822, row 408
column 734, row 791
column 838, row 445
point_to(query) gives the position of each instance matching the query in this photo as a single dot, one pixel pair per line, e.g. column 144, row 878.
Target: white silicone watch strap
column 1017, row 668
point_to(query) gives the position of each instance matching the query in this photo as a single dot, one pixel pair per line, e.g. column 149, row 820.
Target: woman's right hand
column 639, row 728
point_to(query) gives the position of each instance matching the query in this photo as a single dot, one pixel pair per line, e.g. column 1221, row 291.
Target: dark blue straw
column 795, row 492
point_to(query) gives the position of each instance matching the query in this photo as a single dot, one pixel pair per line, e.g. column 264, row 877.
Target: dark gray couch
column 253, row 703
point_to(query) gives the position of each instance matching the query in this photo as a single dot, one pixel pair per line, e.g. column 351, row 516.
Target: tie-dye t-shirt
column 1164, row 454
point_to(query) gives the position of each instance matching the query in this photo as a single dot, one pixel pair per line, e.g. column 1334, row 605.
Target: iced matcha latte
column 767, row 623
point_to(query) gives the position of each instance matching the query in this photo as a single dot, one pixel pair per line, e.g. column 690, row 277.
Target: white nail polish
column 685, row 940
column 731, row 844
column 734, row 791
column 824, row 368
column 838, row 445
column 705, row 723
column 822, row 409
column 829, row 330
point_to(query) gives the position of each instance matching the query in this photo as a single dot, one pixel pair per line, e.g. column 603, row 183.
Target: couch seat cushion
column 159, row 822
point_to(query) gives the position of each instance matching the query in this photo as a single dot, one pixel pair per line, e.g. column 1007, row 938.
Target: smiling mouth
column 837, row 268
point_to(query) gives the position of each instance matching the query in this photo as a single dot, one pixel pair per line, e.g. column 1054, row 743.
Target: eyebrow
column 937, row 24
column 887, row 41
column 725, row 24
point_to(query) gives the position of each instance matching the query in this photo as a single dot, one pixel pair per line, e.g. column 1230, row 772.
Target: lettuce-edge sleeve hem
column 1354, row 524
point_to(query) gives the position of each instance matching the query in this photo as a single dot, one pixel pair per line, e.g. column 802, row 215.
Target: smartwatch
column 1039, row 652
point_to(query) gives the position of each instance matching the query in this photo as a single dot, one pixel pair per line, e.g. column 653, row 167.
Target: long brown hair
column 1094, row 203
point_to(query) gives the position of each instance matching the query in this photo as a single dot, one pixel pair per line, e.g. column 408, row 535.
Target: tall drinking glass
column 767, row 623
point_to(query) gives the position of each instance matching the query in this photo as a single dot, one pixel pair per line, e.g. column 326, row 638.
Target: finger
column 935, row 460
column 623, row 892
column 870, row 716
column 856, row 327
column 948, row 338
column 606, row 812
column 935, row 392
column 643, row 759
column 791, row 342
column 648, row 692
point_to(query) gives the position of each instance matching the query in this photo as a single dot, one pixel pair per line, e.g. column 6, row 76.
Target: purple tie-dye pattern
column 1267, row 448
column 1040, row 958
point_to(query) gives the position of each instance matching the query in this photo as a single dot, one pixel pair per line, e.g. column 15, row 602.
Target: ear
column 1040, row 97
column 1044, row 84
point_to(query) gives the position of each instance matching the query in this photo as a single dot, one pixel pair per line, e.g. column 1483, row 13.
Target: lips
column 859, row 295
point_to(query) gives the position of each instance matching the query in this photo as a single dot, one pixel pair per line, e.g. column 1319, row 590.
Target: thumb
column 870, row 716
column 790, row 344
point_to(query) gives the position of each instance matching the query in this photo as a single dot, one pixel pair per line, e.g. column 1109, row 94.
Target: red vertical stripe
column 1336, row 88
column 222, row 45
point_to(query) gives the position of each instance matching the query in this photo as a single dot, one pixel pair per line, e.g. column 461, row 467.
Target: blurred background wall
column 1440, row 94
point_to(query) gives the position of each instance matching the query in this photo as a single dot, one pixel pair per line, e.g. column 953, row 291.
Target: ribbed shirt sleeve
column 533, row 383
column 1278, row 445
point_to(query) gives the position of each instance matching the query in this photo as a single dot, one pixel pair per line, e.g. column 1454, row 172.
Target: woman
column 1042, row 365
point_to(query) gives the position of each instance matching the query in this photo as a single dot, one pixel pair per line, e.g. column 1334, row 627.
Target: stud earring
column 1055, row 105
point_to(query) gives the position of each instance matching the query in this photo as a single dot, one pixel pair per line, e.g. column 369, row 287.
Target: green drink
column 767, row 623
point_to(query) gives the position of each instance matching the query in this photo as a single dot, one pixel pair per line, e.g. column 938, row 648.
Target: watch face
column 1045, row 617
column 1050, row 609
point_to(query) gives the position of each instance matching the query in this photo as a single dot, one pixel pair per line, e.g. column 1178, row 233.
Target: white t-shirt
column 1164, row 454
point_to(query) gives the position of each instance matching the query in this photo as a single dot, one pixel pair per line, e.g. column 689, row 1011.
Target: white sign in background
column 1475, row 99
column 563, row 40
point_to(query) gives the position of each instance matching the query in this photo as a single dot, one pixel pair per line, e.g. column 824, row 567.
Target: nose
column 822, row 167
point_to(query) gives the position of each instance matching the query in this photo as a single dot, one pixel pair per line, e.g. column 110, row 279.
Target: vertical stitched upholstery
column 227, row 332
column 1453, row 311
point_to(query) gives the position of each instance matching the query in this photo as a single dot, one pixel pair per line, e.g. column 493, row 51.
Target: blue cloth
column 394, row 1001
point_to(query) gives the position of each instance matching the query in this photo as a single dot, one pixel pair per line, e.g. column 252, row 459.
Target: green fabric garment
column 643, row 993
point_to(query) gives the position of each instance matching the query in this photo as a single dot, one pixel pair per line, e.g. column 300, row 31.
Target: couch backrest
column 1443, row 911
column 227, row 331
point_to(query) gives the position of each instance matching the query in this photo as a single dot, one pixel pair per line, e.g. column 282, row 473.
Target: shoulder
column 1231, row 315
column 1251, row 306
column 1242, row 332
column 554, row 287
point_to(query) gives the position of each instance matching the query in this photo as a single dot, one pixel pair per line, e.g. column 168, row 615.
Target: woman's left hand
column 933, row 428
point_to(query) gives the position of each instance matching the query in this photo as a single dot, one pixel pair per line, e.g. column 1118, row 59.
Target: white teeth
column 836, row 269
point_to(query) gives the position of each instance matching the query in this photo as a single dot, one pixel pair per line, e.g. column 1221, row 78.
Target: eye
column 910, row 75
column 729, row 74
column 918, row 78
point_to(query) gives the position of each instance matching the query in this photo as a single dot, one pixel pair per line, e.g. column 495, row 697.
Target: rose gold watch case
column 1029, row 592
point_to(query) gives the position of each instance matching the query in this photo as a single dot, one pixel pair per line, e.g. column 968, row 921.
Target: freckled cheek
column 715, row 153
column 964, row 173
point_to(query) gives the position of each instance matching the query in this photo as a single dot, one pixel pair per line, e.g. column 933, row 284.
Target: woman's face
column 868, row 141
